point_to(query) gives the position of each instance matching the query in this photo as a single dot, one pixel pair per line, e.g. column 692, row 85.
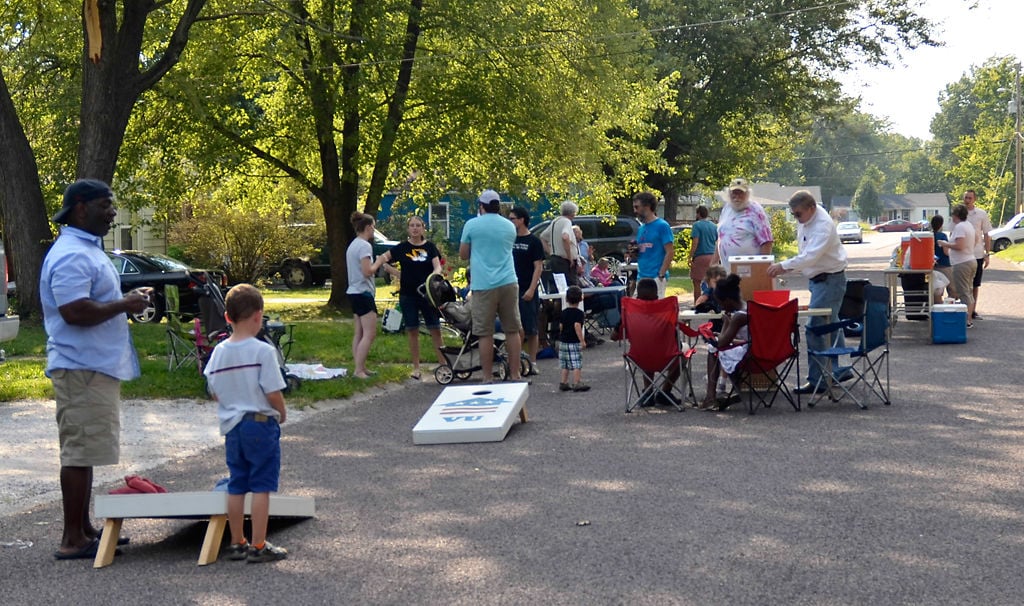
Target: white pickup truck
column 8, row 323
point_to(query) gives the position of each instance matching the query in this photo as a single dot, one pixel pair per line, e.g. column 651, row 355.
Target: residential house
column 910, row 207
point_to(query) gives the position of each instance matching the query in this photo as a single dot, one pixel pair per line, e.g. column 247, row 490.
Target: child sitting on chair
column 706, row 301
column 245, row 378
column 571, row 341
column 731, row 345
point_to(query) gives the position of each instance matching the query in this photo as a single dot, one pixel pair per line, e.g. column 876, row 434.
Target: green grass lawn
column 321, row 335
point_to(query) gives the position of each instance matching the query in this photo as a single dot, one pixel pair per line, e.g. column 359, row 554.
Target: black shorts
column 362, row 304
column 977, row 274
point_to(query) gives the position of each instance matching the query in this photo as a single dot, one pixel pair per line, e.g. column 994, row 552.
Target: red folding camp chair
column 773, row 351
column 656, row 361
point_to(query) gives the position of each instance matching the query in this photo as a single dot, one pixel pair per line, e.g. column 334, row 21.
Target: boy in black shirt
column 571, row 341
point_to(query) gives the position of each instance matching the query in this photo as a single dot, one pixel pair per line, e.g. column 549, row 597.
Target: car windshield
column 848, row 226
column 165, row 263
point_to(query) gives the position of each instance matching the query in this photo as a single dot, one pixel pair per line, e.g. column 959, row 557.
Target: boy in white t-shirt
column 244, row 376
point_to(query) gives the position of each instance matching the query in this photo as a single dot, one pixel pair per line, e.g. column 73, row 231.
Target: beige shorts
column 88, row 417
column 503, row 302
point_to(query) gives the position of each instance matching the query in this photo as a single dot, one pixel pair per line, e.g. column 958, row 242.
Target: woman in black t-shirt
column 417, row 258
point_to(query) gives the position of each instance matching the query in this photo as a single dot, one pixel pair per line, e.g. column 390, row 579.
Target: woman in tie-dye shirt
column 743, row 227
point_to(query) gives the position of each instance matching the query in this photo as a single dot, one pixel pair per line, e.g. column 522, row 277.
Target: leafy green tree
column 866, row 200
column 353, row 99
column 748, row 77
column 974, row 125
column 247, row 228
column 117, row 63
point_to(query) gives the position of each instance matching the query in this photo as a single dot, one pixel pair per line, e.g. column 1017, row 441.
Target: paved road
column 919, row 502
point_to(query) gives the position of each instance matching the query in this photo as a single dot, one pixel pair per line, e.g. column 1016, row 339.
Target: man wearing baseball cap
column 487, row 241
column 89, row 352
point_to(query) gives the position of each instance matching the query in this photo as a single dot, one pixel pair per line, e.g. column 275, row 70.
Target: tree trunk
column 396, row 111
column 22, row 208
column 112, row 85
column 339, row 227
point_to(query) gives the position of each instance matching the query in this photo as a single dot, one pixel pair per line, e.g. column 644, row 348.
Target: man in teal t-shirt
column 703, row 240
column 486, row 242
column 654, row 242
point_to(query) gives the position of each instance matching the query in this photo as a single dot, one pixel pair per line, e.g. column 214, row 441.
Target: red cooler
column 921, row 248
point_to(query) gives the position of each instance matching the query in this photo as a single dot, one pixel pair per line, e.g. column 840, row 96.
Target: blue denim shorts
column 253, row 453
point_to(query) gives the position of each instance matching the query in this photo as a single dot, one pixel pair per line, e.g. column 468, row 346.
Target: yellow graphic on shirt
column 417, row 254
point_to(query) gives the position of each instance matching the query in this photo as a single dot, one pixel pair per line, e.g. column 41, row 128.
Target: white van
column 1011, row 233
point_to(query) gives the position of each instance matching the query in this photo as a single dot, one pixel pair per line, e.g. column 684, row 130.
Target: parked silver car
column 850, row 231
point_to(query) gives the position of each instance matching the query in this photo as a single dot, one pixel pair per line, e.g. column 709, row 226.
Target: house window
column 126, row 238
column 437, row 214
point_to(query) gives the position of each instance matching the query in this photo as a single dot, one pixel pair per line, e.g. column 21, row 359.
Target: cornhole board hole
column 472, row 413
column 212, row 506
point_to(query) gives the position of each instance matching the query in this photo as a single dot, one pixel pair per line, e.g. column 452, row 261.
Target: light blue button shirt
column 77, row 268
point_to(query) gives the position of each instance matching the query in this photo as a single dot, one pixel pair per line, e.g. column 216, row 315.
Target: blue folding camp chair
column 869, row 359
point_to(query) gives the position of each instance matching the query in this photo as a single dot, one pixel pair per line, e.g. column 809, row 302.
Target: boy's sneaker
column 581, row 387
column 237, row 551
column 564, row 387
column 269, row 553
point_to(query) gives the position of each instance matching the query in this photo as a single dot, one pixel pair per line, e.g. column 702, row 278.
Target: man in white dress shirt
column 822, row 260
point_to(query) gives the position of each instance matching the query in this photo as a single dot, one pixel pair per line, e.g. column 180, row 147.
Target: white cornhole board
column 211, row 505
column 471, row 413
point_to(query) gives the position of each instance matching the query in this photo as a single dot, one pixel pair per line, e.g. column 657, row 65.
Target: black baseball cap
column 83, row 190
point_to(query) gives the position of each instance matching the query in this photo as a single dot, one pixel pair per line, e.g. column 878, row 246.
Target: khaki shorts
column 503, row 302
column 88, row 417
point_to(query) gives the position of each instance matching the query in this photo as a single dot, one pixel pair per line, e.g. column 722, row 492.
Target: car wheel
column 152, row 314
column 297, row 275
column 1000, row 245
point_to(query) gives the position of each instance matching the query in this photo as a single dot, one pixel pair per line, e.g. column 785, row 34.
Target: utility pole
column 1017, row 141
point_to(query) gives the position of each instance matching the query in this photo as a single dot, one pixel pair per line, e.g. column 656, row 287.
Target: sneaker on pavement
column 564, row 387
column 581, row 387
column 975, row 316
column 269, row 553
column 237, row 551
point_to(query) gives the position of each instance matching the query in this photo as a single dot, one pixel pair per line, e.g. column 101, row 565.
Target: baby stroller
column 272, row 332
column 461, row 361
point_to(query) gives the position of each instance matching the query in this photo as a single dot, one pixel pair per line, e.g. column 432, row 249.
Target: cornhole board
column 211, row 505
column 472, row 413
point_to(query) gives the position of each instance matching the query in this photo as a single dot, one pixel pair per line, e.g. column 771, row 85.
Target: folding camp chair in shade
column 773, row 351
column 866, row 358
column 656, row 361
column 181, row 343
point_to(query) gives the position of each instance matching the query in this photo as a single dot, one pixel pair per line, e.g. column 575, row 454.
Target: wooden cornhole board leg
column 108, row 544
column 211, row 544
column 210, row 506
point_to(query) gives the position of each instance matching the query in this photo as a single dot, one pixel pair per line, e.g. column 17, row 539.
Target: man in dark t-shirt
column 528, row 258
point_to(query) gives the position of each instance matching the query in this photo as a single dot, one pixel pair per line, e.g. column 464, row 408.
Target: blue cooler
column 949, row 323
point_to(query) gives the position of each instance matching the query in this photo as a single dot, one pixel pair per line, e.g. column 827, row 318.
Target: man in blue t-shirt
column 654, row 242
column 486, row 242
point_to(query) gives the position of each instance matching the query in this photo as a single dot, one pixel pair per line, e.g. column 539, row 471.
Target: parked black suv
column 607, row 235
column 316, row 269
